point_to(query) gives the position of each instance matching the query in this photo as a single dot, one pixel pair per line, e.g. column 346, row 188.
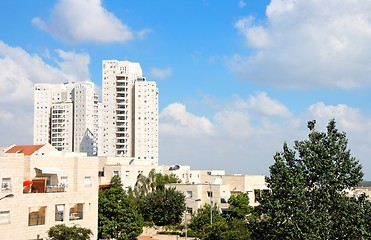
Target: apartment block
column 66, row 116
column 42, row 187
column 217, row 189
column 199, row 186
column 129, row 112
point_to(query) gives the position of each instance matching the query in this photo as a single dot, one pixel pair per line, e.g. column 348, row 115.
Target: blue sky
column 237, row 79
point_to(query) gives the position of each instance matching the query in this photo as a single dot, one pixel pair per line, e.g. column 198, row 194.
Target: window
column 59, row 212
column 209, row 194
column 64, row 181
column 76, row 211
column 189, row 210
column 189, row 194
column 48, row 181
column 115, row 173
column 6, row 184
column 127, row 173
column 4, row 217
column 36, row 216
column 87, row 181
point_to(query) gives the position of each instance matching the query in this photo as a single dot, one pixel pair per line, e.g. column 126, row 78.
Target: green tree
column 308, row 197
column 200, row 222
column 164, row 206
column 147, row 184
column 238, row 229
column 240, row 206
column 223, row 228
column 62, row 232
column 118, row 215
column 163, row 179
column 144, row 184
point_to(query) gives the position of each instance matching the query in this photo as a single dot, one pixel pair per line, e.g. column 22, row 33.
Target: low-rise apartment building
column 199, row 186
column 42, row 187
column 217, row 189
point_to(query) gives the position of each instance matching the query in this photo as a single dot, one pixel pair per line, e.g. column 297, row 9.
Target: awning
column 49, row 170
column 27, row 183
column 60, row 208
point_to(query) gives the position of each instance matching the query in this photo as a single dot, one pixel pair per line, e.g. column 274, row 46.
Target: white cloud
column 242, row 4
column 307, row 44
column 176, row 120
column 265, row 105
column 350, row 119
column 256, row 36
column 161, row 73
column 84, row 21
column 19, row 71
column 240, row 140
column 74, row 64
column 143, row 33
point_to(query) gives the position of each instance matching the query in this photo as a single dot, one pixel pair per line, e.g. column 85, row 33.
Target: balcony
column 121, row 96
column 46, row 189
column 122, row 79
column 39, row 185
column 118, row 112
column 53, row 189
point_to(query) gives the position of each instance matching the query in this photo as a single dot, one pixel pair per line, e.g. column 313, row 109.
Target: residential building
column 46, row 187
column 66, row 116
column 217, row 189
column 129, row 112
column 126, row 168
column 199, row 186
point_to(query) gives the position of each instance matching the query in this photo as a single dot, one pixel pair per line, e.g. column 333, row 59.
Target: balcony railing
column 38, row 187
column 53, row 189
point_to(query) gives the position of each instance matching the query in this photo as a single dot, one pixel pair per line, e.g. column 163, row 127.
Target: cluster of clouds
column 19, row 71
column 71, row 22
column 305, row 44
column 84, row 21
column 243, row 133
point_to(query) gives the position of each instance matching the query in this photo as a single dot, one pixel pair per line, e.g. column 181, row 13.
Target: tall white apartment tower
column 129, row 112
column 66, row 116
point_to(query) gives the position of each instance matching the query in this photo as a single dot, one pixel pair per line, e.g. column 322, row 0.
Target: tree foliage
column 201, row 222
column 308, row 197
column 164, row 206
column 222, row 228
column 62, row 232
column 163, row 179
column 118, row 215
column 147, row 184
column 240, row 206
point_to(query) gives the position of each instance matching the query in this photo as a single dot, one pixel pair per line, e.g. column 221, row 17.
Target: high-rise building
column 66, row 116
column 129, row 120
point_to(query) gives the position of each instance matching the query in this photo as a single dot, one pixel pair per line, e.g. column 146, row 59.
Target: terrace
column 45, row 181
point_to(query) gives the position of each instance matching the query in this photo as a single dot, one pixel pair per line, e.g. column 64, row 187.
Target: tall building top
column 65, row 115
column 122, row 68
column 129, row 125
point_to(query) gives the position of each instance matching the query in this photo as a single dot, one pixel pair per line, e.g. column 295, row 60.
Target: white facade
column 62, row 126
column 48, row 187
column 66, row 115
column 217, row 189
column 146, row 120
column 129, row 112
column 199, row 186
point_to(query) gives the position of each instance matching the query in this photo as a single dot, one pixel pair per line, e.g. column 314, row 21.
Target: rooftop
column 27, row 150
